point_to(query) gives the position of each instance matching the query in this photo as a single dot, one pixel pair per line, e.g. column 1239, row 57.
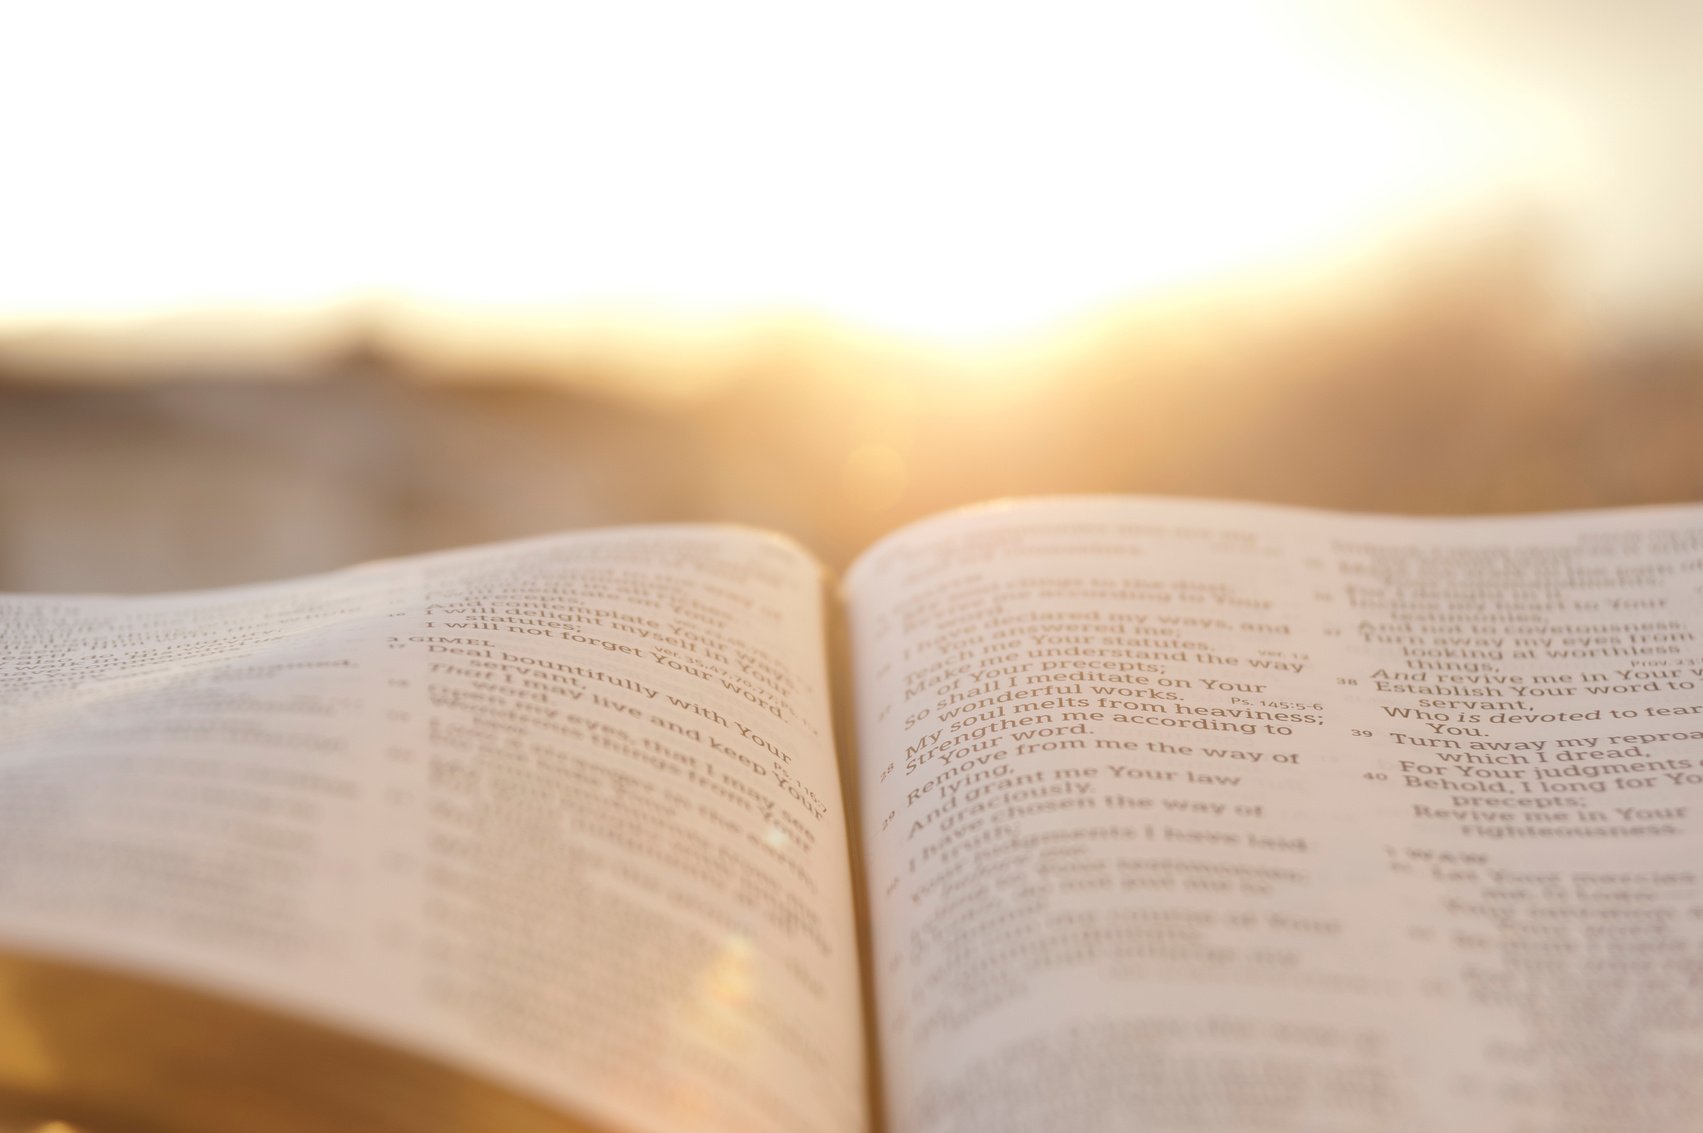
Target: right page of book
column 1201, row 816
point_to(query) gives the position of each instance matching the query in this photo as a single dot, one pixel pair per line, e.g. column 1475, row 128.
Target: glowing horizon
column 946, row 170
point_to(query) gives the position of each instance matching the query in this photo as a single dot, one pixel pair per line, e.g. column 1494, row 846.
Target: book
column 1088, row 813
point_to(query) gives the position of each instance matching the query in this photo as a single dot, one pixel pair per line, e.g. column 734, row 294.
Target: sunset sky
column 947, row 170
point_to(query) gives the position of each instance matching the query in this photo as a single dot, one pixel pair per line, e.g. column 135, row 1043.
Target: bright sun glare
column 939, row 169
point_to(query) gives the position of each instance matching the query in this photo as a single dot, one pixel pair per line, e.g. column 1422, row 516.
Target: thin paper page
column 565, row 812
column 1192, row 816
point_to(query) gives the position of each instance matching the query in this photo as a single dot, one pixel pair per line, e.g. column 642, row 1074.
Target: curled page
column 564, row 813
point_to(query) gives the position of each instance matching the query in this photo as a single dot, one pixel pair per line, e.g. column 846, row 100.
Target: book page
column 1186, row 816
column 565, row 812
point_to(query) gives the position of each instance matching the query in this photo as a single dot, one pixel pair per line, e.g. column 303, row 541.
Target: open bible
column 1067, row 814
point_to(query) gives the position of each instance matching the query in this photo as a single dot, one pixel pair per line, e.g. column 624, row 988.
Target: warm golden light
column 873, row 476
column 949, row 170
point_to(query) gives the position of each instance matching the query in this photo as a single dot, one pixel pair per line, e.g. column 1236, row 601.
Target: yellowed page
column 563, row 812
column 1188, row 816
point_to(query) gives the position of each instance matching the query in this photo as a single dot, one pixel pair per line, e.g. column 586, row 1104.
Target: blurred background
column 284, row 287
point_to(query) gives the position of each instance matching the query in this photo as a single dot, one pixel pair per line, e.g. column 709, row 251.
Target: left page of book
column 564, row 813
